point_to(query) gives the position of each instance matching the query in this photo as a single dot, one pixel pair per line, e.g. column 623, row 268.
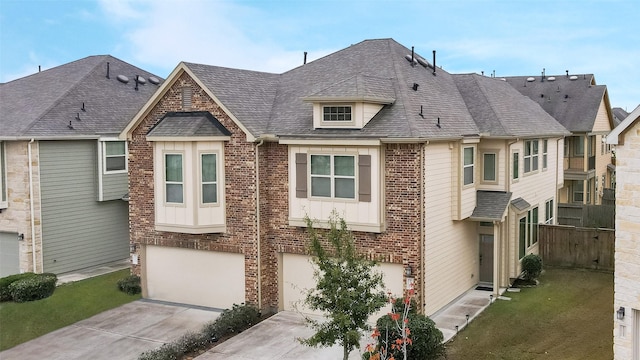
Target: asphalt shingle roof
column 191, row 123
column 520, row 204
column 44, row 104
column 573, row 100
column 490, row 205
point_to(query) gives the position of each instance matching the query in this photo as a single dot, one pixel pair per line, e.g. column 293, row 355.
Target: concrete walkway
column 93, row 271
column 461, row 312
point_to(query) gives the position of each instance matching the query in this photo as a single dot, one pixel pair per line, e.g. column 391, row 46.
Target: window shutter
column 301, row 175
column 364, row 178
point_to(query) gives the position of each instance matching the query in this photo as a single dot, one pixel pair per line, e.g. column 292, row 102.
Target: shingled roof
column 76, row 99
column 573, row 100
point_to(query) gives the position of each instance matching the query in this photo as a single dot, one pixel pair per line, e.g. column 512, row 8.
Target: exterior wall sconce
column 132, row 248
column 620, row 313
column 408, row 271
column 20, row 237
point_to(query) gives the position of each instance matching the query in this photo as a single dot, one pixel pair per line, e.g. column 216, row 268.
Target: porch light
column 20, row 237
column 132, row 247
column 408, row 270
column 620, row 313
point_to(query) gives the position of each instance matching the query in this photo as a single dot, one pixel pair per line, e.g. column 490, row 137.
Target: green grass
column 20, row 322
column 568, row 316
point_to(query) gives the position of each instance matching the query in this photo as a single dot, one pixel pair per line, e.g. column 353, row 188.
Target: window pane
column 209, row 168
column 527, row 148
column 534, row 162
column 320, row 165
column 468, row 156
column 490, row 167
column 468, row 175
column 115, row 163
column 209, row 193
column 320, row 186
column 534, row 226
column 344, row 165
column 522, row 237
column 174, row 193
column 535, row 146
column 527, row 165
column 114, row 148
column 174, row 167
column 345, row 188
column 516, row 165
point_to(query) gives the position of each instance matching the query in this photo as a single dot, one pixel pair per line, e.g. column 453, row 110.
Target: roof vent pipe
column 412, row 57
column 493, row 74
column 83, row 109
column 108, row 70
column 434, row 62
column 567, row 73
column 39, row 68
column 421, row 114
column 136, row 82
column 304, row 62
column 438, row 124
column 542, row 78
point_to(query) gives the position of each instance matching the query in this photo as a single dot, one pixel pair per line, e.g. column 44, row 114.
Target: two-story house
column 442, row 178
column 584, row 109
column 63, row 168
column 626, row 332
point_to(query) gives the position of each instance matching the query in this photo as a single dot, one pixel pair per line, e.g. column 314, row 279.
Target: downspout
column 258, row 225
column 31, row 210
column 423, row 285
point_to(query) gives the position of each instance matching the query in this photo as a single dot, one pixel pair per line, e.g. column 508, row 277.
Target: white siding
column 451, row 247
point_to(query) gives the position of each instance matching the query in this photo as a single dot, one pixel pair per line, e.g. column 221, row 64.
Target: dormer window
column 336, row 113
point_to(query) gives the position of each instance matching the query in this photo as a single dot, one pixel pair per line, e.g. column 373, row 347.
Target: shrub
column 33, row 288
column 5, row 294
column 233, row 320
column 190, row 342
column 426, row 338
column 130, row 285
column 531, row 267
column 165, row 352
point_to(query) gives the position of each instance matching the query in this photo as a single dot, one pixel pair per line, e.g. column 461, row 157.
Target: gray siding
column 9, row 257
column 78, row 231
column 114, row 186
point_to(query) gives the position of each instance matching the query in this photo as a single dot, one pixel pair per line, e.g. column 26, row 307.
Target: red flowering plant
column 396, row 327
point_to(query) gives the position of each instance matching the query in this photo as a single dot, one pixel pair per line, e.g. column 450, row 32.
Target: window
column 578, row 191
column 545, row 150
column 528, row 231
column 522, row 237
column 333, row 176
column 532, row 218
column 530, row 156
column 174, row 185
column 336, row 113
column 578, row 145
column 516, row 166
column 209, row 178
column 115, row 156
column 468, row 165
column 3, row 177
column 548, row 212
column 489, row 167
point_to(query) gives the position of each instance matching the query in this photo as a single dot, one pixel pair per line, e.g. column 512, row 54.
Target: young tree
column 348, row 290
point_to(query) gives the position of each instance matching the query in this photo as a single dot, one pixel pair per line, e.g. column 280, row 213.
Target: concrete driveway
column 121, row 333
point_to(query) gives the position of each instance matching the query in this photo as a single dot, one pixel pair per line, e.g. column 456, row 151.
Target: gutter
column 31, row 210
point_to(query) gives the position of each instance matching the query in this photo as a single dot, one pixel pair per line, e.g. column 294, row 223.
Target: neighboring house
column 626, row 332
column 442, row 178
column 584, row 109
column 64, row 171
column 619, row 114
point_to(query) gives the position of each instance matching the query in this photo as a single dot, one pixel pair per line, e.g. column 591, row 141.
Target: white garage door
column 9, row 256
column 296, row 278
column 195, row 277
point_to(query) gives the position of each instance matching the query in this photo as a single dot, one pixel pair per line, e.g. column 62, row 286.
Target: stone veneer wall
column 400, row 243
column 17, row 217
column 627, row 248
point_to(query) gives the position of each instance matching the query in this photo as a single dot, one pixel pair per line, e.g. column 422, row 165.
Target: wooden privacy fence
column 596, row 216
column 574, row 247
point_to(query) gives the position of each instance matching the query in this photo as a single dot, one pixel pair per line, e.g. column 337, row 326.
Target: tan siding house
column 626, row 303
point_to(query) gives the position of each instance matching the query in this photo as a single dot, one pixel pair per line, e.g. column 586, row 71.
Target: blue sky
column 515, row 37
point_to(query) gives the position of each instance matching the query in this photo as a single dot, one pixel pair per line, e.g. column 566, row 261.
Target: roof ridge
column 71, row 88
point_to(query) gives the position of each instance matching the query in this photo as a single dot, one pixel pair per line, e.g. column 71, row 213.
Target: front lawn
column 568, row 316
column 70, row 303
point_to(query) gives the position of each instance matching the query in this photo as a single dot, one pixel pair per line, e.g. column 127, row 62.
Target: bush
column 130, row 285
column 426, row 338
column 190, row 342
column 233, row 320
column 5, row 294
column 165, row 352
column 33, row 288
column 531, row 267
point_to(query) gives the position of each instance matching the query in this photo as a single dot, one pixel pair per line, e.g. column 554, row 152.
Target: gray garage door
column 9, row 257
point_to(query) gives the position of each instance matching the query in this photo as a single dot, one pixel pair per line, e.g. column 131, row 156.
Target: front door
column 486, row 259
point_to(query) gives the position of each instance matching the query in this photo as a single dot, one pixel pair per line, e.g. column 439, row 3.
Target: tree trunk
column 345, row 351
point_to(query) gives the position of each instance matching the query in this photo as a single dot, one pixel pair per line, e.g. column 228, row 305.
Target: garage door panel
column 9, row 254
column 196, row 277
column 297, row 278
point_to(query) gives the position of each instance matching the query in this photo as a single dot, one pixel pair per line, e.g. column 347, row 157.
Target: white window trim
column 216, row 182
column 545, row 154
column 495, row 166
column 472, row 166
column 515, row 155
column 164, row 178
column 103, row 156
column 4, row 197
column 332, row 177
column 338, row 123
column 532, row 158
column 549, row 219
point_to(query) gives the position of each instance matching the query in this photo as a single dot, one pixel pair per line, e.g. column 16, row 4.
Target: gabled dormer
column 351, row 103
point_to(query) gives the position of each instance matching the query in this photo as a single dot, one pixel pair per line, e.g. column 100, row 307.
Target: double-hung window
column 532, row 219
column 516, row 166
column 530, row 156
column 489, row 167
column 548, row 213
column 115, row 156
column 468, row 165
column 545, row 153
column 209, row 178
column 333, row 176
column 174, row 183
column 528, row 231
